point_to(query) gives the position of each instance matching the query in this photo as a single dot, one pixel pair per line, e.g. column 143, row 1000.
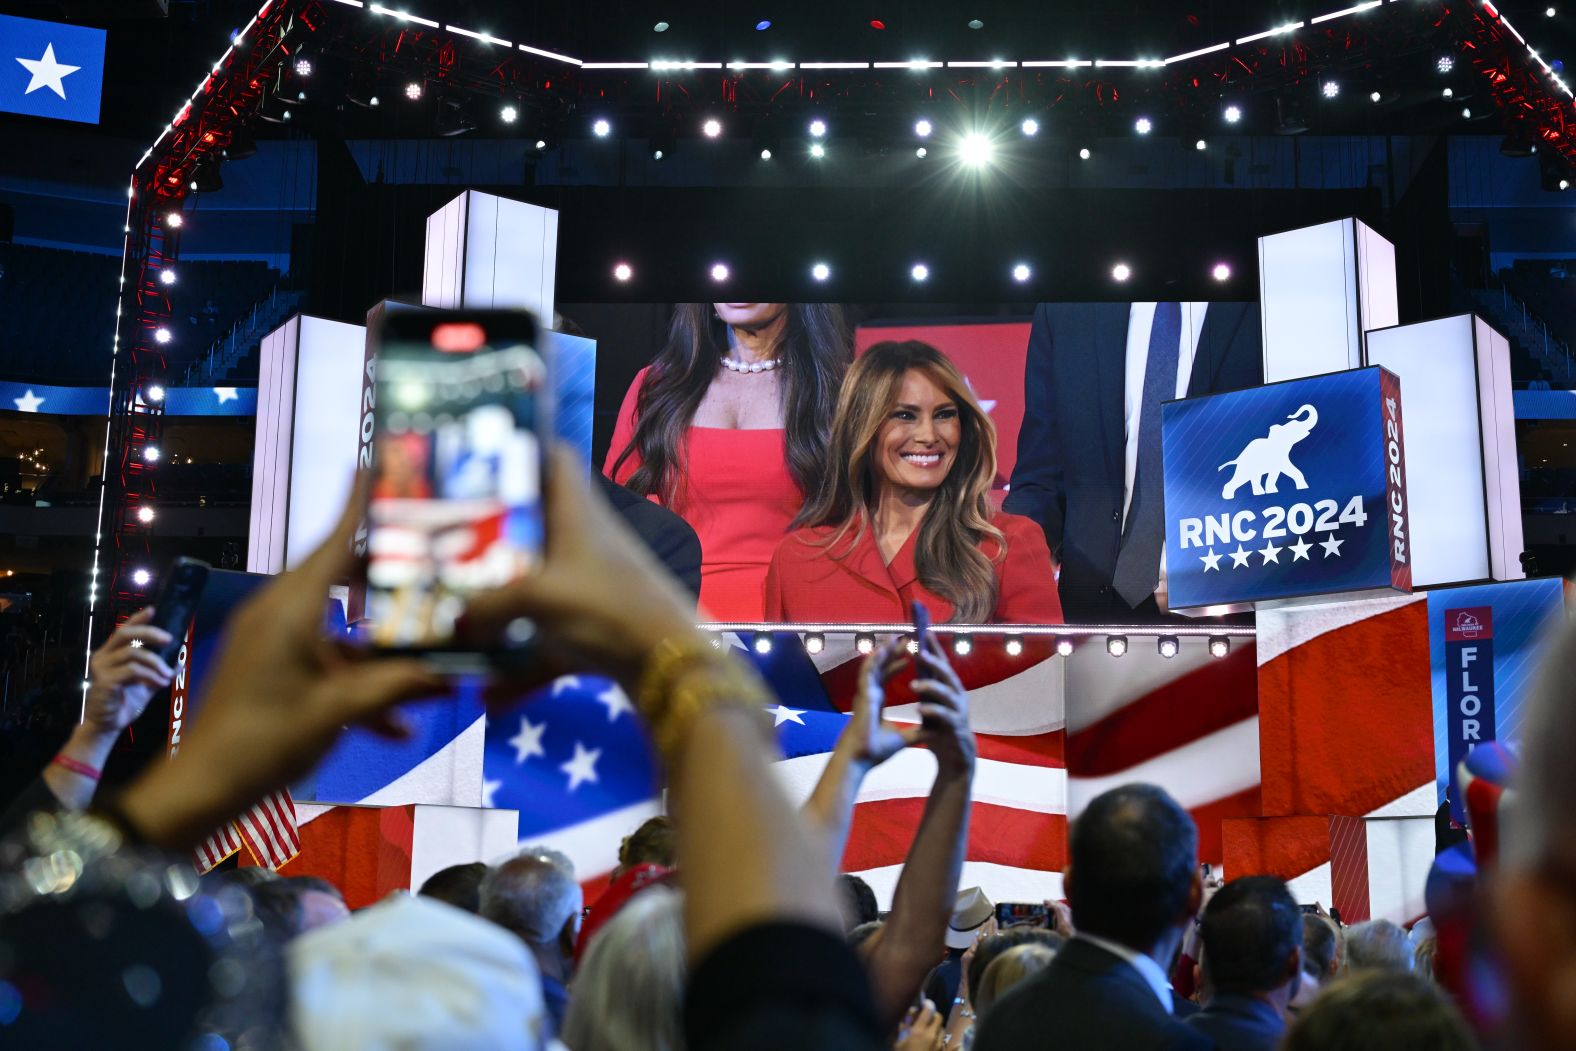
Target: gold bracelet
column 687, row 676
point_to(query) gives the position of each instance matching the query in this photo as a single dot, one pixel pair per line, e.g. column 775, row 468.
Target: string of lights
column 1063, row 639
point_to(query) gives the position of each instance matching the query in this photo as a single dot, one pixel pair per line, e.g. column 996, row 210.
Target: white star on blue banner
column 51, row 70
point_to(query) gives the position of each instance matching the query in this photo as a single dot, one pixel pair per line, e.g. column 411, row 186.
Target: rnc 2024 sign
column 1286, row 490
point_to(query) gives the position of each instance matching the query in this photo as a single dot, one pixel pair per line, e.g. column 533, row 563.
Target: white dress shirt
column 1148, row 969
column 1140, row 320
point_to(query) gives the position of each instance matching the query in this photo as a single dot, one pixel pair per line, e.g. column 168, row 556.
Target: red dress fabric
column 736, row 493
column 805, row 583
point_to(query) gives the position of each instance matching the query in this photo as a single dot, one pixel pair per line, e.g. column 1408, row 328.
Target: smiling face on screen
column 918, row 441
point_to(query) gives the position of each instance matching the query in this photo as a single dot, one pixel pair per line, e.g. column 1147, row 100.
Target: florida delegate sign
column 1285, row 491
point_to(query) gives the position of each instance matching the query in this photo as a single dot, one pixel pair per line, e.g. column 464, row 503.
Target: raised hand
column 869, row 738
column 944, row 710
column 124, row 673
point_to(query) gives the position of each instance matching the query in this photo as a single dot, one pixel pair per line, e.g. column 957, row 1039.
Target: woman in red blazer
column 907, row 515
column 728, row 428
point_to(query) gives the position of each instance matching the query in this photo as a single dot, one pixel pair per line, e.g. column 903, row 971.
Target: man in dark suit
column 1088, row 467
column 1132, row 881
column 1252, row 965
column 667, row 535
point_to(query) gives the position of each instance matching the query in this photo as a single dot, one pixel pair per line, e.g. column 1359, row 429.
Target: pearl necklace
column 754, row 366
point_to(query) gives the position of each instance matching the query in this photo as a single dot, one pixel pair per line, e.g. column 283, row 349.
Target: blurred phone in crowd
column 1009, row 913
column 461, row 425
column 921, row 624
column 176, row 603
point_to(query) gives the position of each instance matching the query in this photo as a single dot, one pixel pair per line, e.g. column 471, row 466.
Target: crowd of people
column 727, row 924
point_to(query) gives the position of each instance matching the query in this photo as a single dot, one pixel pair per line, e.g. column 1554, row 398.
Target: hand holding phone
column 176, row 603
column 462, row 419
column 921, row 624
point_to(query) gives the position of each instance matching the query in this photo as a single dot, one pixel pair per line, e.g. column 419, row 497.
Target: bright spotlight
column 1219, row 645
column 623, row 272
column 864, row 643
column 817, row 128
column 1064, row 647
column 766, row 154
column 1449, row 93
column 817, row 151
column 719, row 272
column 814, row 643
column 1466, row 112
column 712, row 128
column 140, row 577
column 1014, row 646
column 912, row 645
column 1222, row 272
column 1548, row 12
column 763, row 25
column 541, row 144
column 174, row 221
column 1030, row 126
column 657, row 154
column 1200, row 144
column 155, row 393
column 166, row 277
column 303, row 67
column 509, row 114
column 920, row 152
column 1083, row 154
column 1022, row 273
column 1232, row 114
column 962, row 645
column 1143, row 125
column 145, row 515
column 975, row 150
column 1445, row 63
column 919, row 272
column 763, row 642
column 820, row 271
column 602, row 128
column 161, row 335
column 1565, row 184
column 1168, row 646
column 1121, row 272
column 1374, row 96
column 1116, row 645
column 923, row 128
column 151, row 453
column 1330, row 88
column 413, row 90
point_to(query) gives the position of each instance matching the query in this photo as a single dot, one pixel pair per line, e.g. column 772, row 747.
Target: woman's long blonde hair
column 947, row 553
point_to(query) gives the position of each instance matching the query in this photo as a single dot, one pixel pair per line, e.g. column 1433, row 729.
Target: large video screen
column 839, row 462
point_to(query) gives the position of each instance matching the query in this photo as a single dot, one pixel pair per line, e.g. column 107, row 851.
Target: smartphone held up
column 461, row 427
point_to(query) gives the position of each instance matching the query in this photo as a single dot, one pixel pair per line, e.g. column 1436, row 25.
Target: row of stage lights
column 821, row 272
column 1167, row 646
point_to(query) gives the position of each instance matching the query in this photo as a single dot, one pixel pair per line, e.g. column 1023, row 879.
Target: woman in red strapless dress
column 728, row 427
column 908, row 517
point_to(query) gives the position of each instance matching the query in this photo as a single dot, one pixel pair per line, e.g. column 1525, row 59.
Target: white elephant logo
column 1263, row 460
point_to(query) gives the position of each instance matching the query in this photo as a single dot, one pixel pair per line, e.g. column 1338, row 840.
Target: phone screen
column 456, row 501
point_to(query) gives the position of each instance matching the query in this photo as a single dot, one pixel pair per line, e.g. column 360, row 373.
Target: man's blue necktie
column 1138, row 562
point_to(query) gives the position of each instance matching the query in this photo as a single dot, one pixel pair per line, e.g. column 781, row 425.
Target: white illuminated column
column 1461, row 475
column 490, row 252
column 308, row 423
column 1320, row 288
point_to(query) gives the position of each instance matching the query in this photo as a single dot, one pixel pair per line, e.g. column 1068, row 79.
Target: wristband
column 686, row 677
column 78, row 768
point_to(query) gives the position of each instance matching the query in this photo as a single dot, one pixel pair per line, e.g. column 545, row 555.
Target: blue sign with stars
column 1288, row 490
column 51, row 70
